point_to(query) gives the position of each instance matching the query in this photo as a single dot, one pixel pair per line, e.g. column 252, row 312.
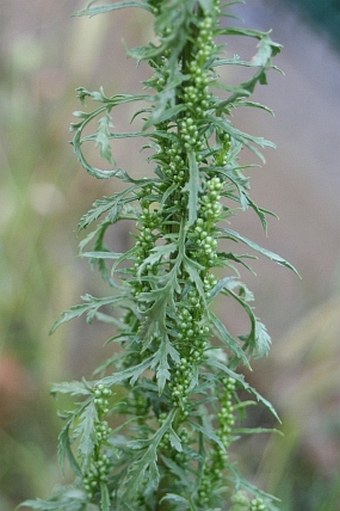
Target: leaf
column 241, row 380
column 102, row 138
column 121, row 135
column 255, row 104
column 96, row 171
column 175, row 441
column 69, row 499
column 144, row 470
column 162, row 112
column 104, row 498
column 239, row 258
column 160, row 362
column 157, row 255
column 207, row 5
column 114, row 203
column 256, row 431
column 102, row 255
column 79, row 127
column 86, row 432
column 250, row 141
column 263, row 340
column 193, row 268
column 162, row 302
column 229, row 284
column 223, row 334
column 176, row 499
column 258, row 340
column 263, row 37
column 235, row 236
column 90, row 307
column 131, row 373
column 266, row 49
column 193, row 187
column 42, row 505
column 261, row 213
column 177, row 470
column 74, row 388
column 101, row 9
column 65, row 450
column 154, row 317
column 208, row 432
column 240, row 482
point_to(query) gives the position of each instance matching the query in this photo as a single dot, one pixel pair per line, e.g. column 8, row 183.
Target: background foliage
column 44, row 55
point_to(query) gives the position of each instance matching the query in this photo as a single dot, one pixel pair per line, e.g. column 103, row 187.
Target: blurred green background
column 44, row 55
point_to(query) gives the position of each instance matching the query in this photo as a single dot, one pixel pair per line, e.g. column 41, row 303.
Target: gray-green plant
column 155, row 429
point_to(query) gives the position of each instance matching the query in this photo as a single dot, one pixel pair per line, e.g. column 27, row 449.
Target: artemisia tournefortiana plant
column 153, row 430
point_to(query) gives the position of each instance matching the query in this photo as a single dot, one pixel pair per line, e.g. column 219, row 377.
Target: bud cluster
column 257, row 505
column 190, row 136
column 196, row 93
column 98, row 469
column 241, row 502
column 204, row 231
column 101, row 395
column 213, row 468
column 96, row 474
column 174, row 166
column 191, row 343
column 146, row 239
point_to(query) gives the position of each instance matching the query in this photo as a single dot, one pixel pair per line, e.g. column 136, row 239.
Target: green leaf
column 74, row 388
column 144, row 470
column 240, row 482
column 162, row 112
column 154, row 317
column 157, row 255
column 114, row 204
column 120, row 135
column 235, row 236
column 97, row 172
column 102, row 9
column 207, row 431
column 161, row 302
column 42, row 505
column 102, row 138
column 104, row 498
column 65, row 450
column 176, row 499
column 86, row 433
column 176, row 470
column 131, row 373
column 250, row 141
column 262, row 339
column 90, row 308
column 241, row 380
column 175, row 441
column 254, row 104
column 193, row 268
column 67, row 499
column 223, row 334
column 207, row 5
column 256, row 431
column 261, row 213
column 230, row 284
column 193, row 187
column 113, row 256
column 257, row 34
column 258, row 340
column 160, row 362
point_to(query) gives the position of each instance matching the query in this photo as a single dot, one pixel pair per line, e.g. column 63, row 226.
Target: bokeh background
column 44, row 55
